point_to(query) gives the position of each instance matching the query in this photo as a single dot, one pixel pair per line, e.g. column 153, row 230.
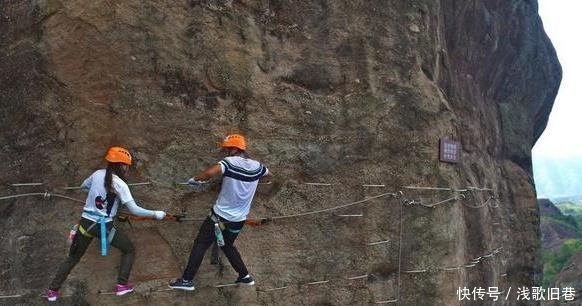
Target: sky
column 563, row 25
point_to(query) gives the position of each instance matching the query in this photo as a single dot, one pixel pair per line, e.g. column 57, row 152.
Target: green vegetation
column 573, row 211
column 568, row 222
column 554, row 262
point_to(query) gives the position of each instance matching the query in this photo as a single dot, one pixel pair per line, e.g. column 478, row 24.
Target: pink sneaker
column 52, row 295
column 121, row 289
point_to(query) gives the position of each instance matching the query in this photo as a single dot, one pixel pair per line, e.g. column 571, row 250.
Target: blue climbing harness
column 105, row 239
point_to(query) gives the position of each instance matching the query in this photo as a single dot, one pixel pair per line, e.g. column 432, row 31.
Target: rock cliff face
column 344, row 92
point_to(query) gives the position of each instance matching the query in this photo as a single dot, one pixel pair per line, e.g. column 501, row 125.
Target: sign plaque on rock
column 450, row 151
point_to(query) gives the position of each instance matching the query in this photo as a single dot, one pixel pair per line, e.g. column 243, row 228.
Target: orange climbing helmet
column 235, row 141
column 118, row 155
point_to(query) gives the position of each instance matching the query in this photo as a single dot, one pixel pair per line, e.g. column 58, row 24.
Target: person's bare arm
column 210, row 173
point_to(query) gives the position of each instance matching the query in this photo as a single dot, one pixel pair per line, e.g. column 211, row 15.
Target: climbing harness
column 105, row 238
column 85, row 232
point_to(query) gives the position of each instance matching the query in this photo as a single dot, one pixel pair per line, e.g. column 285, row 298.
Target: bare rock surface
column 344, row 92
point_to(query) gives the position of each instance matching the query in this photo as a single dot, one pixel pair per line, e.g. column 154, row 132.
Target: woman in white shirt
column 106, row 191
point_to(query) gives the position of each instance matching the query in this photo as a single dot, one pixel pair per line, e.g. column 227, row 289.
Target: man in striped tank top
column 240, row 177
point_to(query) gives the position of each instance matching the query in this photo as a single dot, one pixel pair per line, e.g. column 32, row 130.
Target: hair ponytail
column 117, row 169
column 108, row 178
column 113, row 168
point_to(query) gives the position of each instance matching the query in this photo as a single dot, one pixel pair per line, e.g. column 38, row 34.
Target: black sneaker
column 182, row 284
column 246, row 281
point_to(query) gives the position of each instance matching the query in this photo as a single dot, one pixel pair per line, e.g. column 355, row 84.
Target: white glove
column 194, row 183
column 159, row 215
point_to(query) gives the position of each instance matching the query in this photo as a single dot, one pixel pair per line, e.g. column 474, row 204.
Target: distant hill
column 571, row 209
column 561, row 228
column 571, row 200
column 558, row 178
column 556, row 227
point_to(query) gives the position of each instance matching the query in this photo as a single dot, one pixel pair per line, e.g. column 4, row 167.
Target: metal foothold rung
column 274, row 289
column 11, row 296
column 451, row 269
column 318, row 184
column 386, row 302
column 225, row 285
column 354, row 215
column 318, row 282
column 379, row 242
column 415, row 271
column 357, row 277
column 26, row 184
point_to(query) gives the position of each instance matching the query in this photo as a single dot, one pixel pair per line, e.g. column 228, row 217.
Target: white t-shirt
column 240, row 179
column 96, row 202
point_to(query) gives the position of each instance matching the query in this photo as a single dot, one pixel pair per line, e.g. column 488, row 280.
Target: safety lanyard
column 103, row 236
column 103, row 229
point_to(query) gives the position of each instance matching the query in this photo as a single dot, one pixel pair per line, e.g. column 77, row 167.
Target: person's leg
column 78, row 248
column 124, row 244
column 230, row 251
column 202, row 242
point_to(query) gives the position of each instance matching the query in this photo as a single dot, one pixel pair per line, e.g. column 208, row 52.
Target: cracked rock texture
column 347, row 92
